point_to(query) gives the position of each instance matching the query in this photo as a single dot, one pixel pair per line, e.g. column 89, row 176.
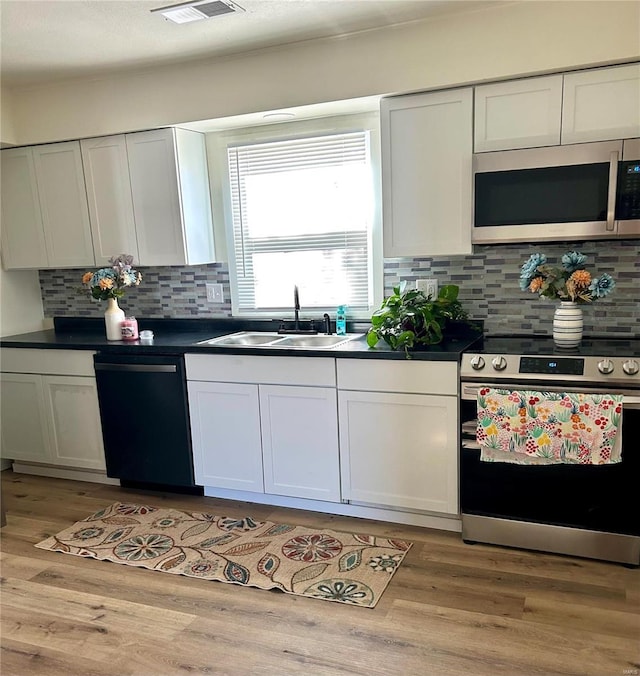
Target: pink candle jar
column 129, row 328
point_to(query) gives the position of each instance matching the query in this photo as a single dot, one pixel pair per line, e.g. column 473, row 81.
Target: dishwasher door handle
column 146, row 368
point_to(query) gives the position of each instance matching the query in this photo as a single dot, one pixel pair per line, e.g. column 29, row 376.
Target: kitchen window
column 303, row 210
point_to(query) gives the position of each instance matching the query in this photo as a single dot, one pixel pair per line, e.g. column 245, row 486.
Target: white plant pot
column 568, row 324
column 113, row 317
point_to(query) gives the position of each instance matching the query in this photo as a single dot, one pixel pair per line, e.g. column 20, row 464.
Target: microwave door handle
column 613, row 187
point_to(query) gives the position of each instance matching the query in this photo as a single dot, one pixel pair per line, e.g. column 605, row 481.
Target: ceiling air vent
column 196, row 11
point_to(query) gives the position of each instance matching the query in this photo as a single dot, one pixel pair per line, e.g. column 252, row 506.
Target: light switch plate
column 214, row 293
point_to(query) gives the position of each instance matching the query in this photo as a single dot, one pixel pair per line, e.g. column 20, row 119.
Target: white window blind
column 302, row 213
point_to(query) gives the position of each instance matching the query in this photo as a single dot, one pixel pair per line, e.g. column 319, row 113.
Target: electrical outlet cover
column 428, row 286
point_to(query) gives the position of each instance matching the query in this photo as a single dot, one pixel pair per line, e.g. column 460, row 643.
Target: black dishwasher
column 145, row 421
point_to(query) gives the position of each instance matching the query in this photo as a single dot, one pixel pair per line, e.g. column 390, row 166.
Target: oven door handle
column 470, row 392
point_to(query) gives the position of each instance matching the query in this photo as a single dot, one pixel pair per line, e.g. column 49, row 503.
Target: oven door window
column 569, row 194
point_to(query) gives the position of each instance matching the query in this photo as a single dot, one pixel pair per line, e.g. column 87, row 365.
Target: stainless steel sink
column 246, row 339
column 275, row 340
column 319, row 341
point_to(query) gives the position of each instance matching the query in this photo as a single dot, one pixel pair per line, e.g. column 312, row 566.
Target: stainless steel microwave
column 573, row 192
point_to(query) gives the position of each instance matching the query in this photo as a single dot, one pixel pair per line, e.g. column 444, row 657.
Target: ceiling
column 52, row 40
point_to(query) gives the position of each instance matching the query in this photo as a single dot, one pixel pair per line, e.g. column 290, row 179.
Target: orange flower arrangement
column 111, row 282
column 571, row 282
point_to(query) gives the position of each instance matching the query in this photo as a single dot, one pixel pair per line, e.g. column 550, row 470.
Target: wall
column 508, row 41
column 488, row 281
column 500, row 42
column 21, row 302
column 7, row 129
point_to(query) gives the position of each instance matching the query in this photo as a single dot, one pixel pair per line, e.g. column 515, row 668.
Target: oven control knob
column 477, row 362
column 631, row 367
column 605, row 366
column 499, row 363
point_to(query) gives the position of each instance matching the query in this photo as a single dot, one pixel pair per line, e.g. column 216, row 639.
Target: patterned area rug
column 345, row 567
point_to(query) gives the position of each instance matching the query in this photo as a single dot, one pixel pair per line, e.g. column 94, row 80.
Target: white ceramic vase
column 567, row 324
column 113, row 317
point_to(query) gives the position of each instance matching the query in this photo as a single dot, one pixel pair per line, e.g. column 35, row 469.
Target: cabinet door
column 23, row 417
column 426, row 173
column 399, row 450
column 74, row 421
column 518, row 114
column 156, row 200
column 225, row 431
column 300, row 441
column 106, row 171
column 601, row 104
column 23, row 244
column 63, row 204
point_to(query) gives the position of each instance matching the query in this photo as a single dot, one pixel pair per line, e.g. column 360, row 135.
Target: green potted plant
column 409, row 319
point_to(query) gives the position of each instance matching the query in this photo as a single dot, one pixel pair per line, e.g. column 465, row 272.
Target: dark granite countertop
column 181, row 336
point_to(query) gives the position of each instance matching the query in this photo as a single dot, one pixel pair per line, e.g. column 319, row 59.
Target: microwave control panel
column 628, row 201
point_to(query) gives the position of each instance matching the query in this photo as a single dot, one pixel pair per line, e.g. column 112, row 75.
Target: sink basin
column 275, row 340
column 319, row 341
column 246, row 339
column 243, row 339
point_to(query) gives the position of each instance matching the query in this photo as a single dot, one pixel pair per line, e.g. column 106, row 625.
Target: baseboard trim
column 452, row 523
column 64, row 473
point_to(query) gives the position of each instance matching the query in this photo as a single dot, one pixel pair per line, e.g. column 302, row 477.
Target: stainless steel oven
column 582, row 510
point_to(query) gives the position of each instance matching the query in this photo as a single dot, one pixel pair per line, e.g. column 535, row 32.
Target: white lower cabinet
column 300, row 441
column 225, row 433
column 24, row 429
column 399, row 444
column 269, row 425
column 50, row 418
column 71, row 404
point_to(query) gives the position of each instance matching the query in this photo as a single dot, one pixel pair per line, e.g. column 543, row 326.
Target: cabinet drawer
column 47, row 362
column 227, row 368
column 398, row 376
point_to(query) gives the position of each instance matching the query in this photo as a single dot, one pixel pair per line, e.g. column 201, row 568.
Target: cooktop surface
column 544, row 345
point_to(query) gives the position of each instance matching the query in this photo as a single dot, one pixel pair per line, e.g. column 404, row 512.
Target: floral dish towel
column 543, row 428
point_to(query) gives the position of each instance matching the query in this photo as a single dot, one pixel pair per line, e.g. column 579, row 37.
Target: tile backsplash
column 488, row 281
column 489, row 288
column 167, row 292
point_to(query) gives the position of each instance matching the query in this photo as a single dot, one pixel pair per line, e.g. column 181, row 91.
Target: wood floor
column 451, row 609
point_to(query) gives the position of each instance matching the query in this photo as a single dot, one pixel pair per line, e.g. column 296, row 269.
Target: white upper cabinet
column 23, row 244
column 601, row 104
column 426, row 173
column 518, row 114
column 106, row 171
column 170, row 191
column 45, row 219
